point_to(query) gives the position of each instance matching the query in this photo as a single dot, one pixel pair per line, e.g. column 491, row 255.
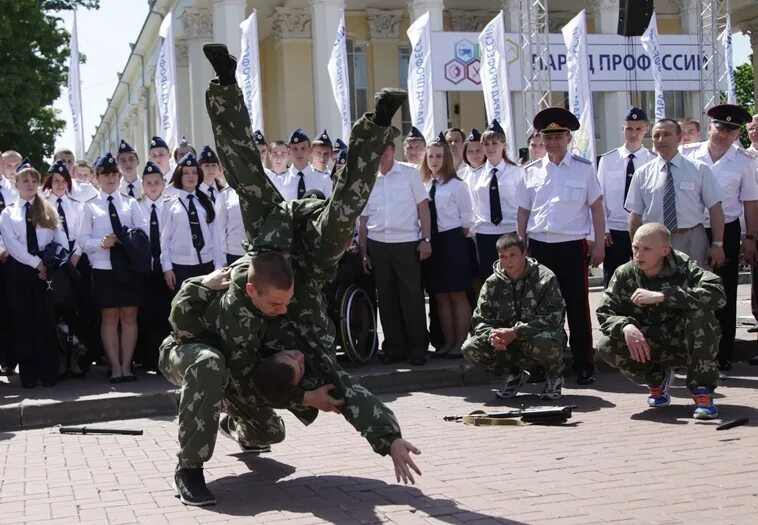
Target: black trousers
column 487, row 252
column 618, row 253
column 34, row 337
column 729, row 273
column 152, row 319
column 570, row 264
column 7, row 354
column 182, row 272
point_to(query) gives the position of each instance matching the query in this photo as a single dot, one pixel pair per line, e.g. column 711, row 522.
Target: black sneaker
column 228, row 427
column 189, row 484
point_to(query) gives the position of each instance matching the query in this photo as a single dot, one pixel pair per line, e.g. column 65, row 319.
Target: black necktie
column 433, row 206
column 197, row 233
column 300, row 185
column 131, row 189
column 62, row 215
column 629, row 173
column 119, row 258
column 496, row 212
column 155, row 241
column 212, row 194
column 115, row 219
column 2, row 200
column 32, row 246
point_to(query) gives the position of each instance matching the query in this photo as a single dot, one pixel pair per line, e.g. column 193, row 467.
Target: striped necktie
column 669, row 201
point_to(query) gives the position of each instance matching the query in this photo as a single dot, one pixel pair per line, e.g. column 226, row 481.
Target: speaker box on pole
column 634, row 16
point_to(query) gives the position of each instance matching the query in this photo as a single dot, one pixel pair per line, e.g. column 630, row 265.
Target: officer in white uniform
column 414, row 147
column 8, row 195
column 301, row 177
column 128, row 164
column 673, row 190
column 614, row 173
column 559, row 199
column 735, row 170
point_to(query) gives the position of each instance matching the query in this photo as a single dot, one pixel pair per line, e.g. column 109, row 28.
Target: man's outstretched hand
column 400, row 452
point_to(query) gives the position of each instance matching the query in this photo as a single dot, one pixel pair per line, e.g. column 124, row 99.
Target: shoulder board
column 614, row 150
column 93, row 198
column 141, row 198
column 72, row 199
column 748, row 154
column 532, row 163
column 688, row 147
column 580, row 159
column 126, row 195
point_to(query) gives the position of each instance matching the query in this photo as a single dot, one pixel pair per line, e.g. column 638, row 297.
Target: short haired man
column 321, row 153
column 752, row 134
column 614, row 173
column 559, row 201
column 301, row 176
column 455, row 138
column 690, row 130
column 674, row 190
column 67, row 156
column 159, row 154
column 536, row 144
column 83, row 181
column 279, row 157
column 8, row 195
column 414, row 147
column 128, row 164
column 657, row 314
column 10, row 161
column 518, row 321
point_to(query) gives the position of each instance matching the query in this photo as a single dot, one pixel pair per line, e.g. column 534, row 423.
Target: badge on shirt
column 687, row 185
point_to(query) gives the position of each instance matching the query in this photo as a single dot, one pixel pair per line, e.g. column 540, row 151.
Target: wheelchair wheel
column 357, row 325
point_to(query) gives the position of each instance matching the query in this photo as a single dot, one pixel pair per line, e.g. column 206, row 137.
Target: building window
column 674, row 100
column 358, row 70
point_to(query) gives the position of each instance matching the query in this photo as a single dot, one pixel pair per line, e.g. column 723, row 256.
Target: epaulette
column 126, row 195
column 531, row 163
column 93, row 197
column 614, row 150
column 72, row 199
column 693, row 145
column 748, row 154
column 580, row 159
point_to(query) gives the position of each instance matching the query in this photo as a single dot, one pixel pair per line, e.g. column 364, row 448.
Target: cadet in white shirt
column 153, row 315
column 128, row 163
column 8, row 195
column 752, row 133
column 455, row 138
column 83, row 181
column 493, row 197
column 102, row 236
column 159, row 154
column 213, row 182
column 690, row 130
column 735, row 170
column 390, row 236
column 447, row 276
column 473, row 153
column 187, row 248
column 536, row 144
column 10, row 161
column 301, row 176
column 559, row 199
column 414, row 146
column 321, row 153
column 27, row 227
column 614, row 173
column 261, row 144
column 279, row 156
column 673, row 190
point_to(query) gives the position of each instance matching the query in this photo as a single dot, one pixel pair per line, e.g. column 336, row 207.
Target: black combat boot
column 190, row 486
column 387, row 101
column 224, row 64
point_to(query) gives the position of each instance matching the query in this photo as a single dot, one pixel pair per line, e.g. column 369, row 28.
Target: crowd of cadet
column 455, row 220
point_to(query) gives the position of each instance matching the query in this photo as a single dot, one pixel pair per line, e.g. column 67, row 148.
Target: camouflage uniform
column 682, row 331
column 534, row 307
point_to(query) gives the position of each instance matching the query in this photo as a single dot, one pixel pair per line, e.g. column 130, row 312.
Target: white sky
column 108, row 52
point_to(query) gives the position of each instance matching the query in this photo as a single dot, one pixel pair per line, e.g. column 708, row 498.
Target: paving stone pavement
column 617, row 462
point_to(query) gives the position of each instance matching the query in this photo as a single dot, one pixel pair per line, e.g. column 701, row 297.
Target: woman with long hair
column 447, row 272
column 27, row 228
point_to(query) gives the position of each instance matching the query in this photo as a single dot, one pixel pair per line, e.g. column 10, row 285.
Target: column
column 613, row 105
column 183, row 102
column 417, row 8
column 325, row 16
column 227, row 17
column 198, row 29
column 140, row 125
column 690, row 14
column 384, row 30
column 471, row 103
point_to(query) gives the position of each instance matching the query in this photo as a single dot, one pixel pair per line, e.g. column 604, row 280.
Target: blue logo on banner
column 465, row 51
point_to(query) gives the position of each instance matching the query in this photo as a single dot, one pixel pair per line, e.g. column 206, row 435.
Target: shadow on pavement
column 584, row 403
column 681, row 414
column 334, row 499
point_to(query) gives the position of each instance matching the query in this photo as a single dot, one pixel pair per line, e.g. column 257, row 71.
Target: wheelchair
column 351, row 304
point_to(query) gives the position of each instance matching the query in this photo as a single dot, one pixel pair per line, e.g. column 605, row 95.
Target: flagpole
column 79, row 89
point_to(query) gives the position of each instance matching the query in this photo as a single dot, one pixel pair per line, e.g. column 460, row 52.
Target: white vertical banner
column 165, row 83
column 338, row 74
column 580, row 96
column 75, row 93
column 494, row 77
column 420, row 89
column 726, row 41
column 651, row 46
column 249, row 71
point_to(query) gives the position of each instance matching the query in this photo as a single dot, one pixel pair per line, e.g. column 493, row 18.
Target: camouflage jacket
column 530, row 305
column 685, row 284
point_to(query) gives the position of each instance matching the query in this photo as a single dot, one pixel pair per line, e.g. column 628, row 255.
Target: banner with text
column 75, row 93
column 338, row 74
column 726, row 41
column 456, row 63
column 580, row 96
column 651, row 44
column 420, row 89
column 165, row 81
column 249, row 71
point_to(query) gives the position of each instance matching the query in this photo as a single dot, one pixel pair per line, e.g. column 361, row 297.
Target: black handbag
column 137, row 245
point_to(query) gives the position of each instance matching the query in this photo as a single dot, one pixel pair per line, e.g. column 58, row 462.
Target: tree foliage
column 744, row 86
column 34, row 56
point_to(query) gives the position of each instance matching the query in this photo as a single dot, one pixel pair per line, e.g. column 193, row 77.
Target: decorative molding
column 150, row 74
column 752, row 32
column 384, row 24
column 470, row 20
column 291, row 22
column 197, row 22
column 182, row 53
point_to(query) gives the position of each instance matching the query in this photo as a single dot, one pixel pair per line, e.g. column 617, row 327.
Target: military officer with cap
column 128, row 162
column 735, row 170
column 301, row 176
column 559, row 199
column 414, row 147
column 614, row 173
column 673, row 190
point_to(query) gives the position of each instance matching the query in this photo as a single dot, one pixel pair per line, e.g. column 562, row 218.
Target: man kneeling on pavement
column 519, row 321
column 657, row 314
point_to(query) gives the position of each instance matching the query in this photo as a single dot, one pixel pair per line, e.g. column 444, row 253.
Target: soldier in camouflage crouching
column 657, row 314
column 519, row 321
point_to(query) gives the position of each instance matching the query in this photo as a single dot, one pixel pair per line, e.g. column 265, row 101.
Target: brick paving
column 618, row 462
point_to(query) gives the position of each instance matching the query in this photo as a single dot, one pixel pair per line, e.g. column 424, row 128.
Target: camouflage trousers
column 206, row 390
column 691, row 342
column 545, row 350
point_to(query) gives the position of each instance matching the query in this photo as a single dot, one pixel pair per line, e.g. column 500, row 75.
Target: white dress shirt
column 453, row 204
column 611, row 174
column 211, row 191
column 314, row 180
column 508, row 177
column 73, row 210
column 753, row 148
column 96, row 225
column 10, row 195
column 229, row 232
column 83, row 191
column 695, row 188
column 123, row 187
column 278, row 179
column 176, row 235
column 13, row 230
column 392, row 208
column 737, row 174
column 559, row 198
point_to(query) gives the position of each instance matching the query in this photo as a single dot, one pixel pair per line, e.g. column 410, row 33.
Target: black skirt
column 108, row 292
column 448, row 269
